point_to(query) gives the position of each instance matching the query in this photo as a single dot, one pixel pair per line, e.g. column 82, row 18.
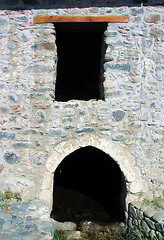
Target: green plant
column 8, row 195
column 59, row 235
column 137, row 234
column 155, row 202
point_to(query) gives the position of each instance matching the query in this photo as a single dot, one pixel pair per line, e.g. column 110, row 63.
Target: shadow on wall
column 92, row 173
column 39, row 4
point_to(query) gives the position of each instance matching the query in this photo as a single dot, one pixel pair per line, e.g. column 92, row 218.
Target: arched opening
column 89, row 185
column 79, row 67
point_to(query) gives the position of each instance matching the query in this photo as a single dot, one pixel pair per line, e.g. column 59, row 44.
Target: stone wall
column 145, row 224
column 37, row 131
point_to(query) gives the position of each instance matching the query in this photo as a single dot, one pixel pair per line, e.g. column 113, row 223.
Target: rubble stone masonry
column 37, row 132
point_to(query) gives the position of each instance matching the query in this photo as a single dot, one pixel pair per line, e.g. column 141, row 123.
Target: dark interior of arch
column 79, row 67
column 39, row 4
column 89, row 186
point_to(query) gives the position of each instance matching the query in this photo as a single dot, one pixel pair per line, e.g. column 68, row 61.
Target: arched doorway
column 89, row 185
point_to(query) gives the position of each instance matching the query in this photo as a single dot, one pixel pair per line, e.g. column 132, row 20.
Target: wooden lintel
column 53, row 19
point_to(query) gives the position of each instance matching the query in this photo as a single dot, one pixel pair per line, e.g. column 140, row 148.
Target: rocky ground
column 30, row 220
column 24, row 221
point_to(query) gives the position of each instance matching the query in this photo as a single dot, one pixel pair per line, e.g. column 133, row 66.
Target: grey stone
column 30, row 131
column 2, row 36
column 2, row 215
column 159, row 216
column 25, row 233
column 118, row 137
column 1, row 221
column 43, row 224
column 103, row 111
column 13, row 98
column 13, row 119
column 157, row 105
column 121, row 9
column 29, row 219
column 82, row 112
column 135, row 222
column 11, row 46
column 152, row 234
column 149, row 212
column 153, row 161
column 94, row 9
column 4, row 109
column 137, row 33
column 6, row 135
column 64, row 226
column 69, row 119
column 5, row 236
column 159, row 180
column 118, row 66
column 40, row 116
column 132, row 211
column 71, row 105
column 159, row 236
column 23, row 205
column 44, row 46
column 11, row 157
column 7, row 69
column 16, row 236
column 68, row 127
column 7, row 225
column 1, row 168
column 85, row 129
column 109, row 10
column 136, row 11
column 147, row 42
column 157, row 31
column 109, row 57
column 113, row 44
column 145, row 228
column 24, row 36
column 130, row 223
column 16, row 127
column 39, row 69
column 38, row 160
column 3, row 22
column 31, row 227
column 21, row 19
column 48, row 229
column 22, row 86
column 110, row 33
column 118, row 115
column 56, row 132
column 34, row 95
column 159, row 226
column 18, row 145
column 150, row 223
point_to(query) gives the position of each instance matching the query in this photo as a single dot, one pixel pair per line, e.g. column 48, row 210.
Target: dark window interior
column 91, row 173
column 79, row 67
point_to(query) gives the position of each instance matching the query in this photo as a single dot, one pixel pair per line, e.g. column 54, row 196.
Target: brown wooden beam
column 51, row 19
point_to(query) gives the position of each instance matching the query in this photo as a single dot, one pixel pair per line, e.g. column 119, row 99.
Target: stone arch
column 123, row 158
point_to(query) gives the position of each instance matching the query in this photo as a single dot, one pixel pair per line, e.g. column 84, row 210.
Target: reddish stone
column 152, row 18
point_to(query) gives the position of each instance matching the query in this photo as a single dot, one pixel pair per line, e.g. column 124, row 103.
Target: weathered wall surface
column 34, row 126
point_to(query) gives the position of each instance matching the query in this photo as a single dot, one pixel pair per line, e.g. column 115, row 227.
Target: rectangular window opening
column 80, row 67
